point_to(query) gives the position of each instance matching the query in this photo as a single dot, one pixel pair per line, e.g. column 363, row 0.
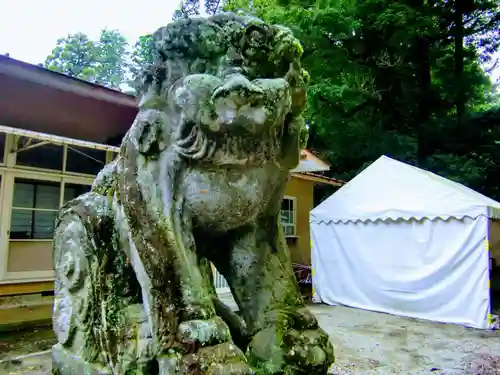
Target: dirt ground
column 365, row 343
column 373, row 343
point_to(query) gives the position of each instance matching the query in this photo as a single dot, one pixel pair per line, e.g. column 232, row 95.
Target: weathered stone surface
column 199, row 179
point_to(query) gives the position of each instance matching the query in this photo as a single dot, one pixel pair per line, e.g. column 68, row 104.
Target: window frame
column 42, row 178
column 294, row 217
column 11, row 170
column 63, row 171
column 33, row 210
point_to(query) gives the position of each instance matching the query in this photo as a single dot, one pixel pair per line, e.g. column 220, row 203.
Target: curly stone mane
column 191, row 46
column 222, row 45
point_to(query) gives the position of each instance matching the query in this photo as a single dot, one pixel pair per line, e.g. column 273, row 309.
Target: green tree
column 142, row 56
column 76, row 56
column 192, row 8
column 112, row 65
column 188, row 8
column 384, row 81
column 102, row 61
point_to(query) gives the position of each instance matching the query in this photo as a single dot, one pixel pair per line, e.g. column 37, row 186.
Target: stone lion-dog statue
column 199, row 179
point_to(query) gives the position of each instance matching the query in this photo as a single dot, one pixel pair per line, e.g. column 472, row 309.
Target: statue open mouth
column 240, row 122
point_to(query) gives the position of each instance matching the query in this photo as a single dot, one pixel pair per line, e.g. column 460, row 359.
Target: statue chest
column 224, row 199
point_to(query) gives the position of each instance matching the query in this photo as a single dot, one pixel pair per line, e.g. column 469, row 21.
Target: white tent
column 401, row 240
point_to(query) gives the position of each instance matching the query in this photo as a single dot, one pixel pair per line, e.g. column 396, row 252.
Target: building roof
column 318, row 178
column 311, row 163
column 392, row 190
column 37, row 99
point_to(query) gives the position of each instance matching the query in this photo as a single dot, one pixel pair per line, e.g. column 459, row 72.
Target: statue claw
column 220, row 359
column 292, row 346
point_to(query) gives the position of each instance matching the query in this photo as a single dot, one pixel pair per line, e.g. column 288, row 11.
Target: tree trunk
column 425, row 101
column 421, row 61
column 459, row 61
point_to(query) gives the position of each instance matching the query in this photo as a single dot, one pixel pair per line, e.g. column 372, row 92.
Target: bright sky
column 29, row 29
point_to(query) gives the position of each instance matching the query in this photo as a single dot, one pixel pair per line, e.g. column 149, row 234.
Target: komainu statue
column 199, row 179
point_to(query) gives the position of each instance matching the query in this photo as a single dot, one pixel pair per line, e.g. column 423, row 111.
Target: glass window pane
column 20, row 224
column 85, row 160
column 2, row 147
column 24, row 194
column 288, row 229
column 284, row 204
column 44, row 224
column 47, row 196
column 71, row 191
column 287, row 204
column 30, row 224
column 36, row 194
column 46, row 156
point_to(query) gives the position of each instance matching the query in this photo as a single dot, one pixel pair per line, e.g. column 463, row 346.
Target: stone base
column 66, row 363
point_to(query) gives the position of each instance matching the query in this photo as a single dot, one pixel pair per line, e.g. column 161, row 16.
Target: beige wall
column 27, row 256
column 300, row 247
column 495, row 240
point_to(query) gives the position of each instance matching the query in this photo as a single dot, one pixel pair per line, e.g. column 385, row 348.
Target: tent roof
column 391, row 190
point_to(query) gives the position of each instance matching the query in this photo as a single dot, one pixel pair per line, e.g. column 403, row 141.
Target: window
column 34, row 209
column 2, row 147
column 287, row 214
column 71, row 191
column 85, row 160
column 47, row 156
column 40, row 154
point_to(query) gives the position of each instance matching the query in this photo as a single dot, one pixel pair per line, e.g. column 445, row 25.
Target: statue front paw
column 203, row 347
column 220, row 359
column 292, row 345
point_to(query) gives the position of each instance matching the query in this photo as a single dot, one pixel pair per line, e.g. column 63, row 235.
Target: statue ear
column 149, row 133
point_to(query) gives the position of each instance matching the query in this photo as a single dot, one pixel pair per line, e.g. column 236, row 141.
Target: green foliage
column 192, row 8
column 76, row 56
column 142, row 56
column 188, row 8
column 102, row 61
column 404, row 78
column 387, row 79
column 112, row 58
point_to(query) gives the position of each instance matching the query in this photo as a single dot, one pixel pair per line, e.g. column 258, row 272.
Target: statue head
column 232, row 90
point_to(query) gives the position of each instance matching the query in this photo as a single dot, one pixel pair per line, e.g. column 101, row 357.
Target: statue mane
column 191, row 46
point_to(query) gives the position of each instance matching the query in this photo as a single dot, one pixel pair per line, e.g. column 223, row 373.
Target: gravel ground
column 372, row 343
column 365, row 343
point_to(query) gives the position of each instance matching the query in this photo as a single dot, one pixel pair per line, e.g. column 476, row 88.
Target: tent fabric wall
column 428, row 269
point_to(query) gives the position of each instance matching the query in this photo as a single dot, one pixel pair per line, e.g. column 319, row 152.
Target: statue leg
column 236, row 324
column 188, row 336
column 157, row 233
column 286, row 338
column 205, row 337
